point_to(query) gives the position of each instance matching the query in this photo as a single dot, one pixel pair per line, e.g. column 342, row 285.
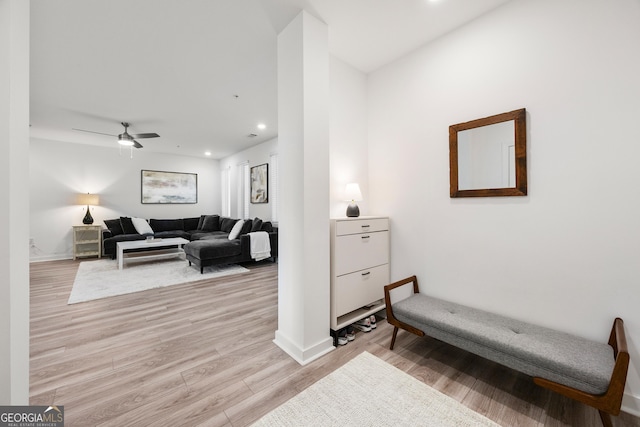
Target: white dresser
column 359, row 268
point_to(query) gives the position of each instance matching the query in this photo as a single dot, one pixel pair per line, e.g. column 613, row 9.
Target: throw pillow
column 114, row 226
column 199, row 227
column 235, row 231
column 127, row 225
column 226, row 224
column 142, row 226
column 267, row 226
column 246, row 227
column 210, row 223
column 256, row 225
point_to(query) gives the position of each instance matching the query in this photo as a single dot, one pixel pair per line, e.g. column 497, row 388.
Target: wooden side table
column 87, row 241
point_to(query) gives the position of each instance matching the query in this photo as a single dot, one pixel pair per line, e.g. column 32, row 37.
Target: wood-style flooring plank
column 202, row 354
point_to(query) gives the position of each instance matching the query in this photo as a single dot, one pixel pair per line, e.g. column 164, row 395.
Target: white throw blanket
column 260, row 245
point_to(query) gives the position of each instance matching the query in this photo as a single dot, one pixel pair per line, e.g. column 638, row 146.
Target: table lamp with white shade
column 353, row 195
column 89, row 200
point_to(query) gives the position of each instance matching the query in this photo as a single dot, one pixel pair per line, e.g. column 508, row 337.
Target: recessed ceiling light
column 207, row 153
column 262, row 126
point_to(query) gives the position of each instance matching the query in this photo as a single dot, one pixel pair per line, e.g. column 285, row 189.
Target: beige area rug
column 370, row 392
column 101, row 278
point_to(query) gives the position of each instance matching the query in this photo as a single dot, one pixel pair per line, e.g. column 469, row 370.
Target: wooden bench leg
column 393, row 338
column 606, row 419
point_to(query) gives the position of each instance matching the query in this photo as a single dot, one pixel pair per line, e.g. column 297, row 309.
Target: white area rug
column 370, row 392
column 101, row 278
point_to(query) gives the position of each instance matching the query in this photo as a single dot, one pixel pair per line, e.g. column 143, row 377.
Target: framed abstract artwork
column 160, row 187
column 260, row 184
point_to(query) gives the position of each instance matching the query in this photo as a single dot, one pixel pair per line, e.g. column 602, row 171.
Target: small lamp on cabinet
column 89, row 200
column 353, row 195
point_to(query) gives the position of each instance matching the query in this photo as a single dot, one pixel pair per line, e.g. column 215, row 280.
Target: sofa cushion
column 172, row 233
column 226, row 224
column 212, row 235
column 210, row 223
column 210, row 249
column 191, row 224
column 127, row 225
column 166, row 224
column 256, row 225
column 142, row 226
column 114, row 226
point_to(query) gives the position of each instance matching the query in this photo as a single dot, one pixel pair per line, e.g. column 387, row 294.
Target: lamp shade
column 352, row 192
column 88, row 199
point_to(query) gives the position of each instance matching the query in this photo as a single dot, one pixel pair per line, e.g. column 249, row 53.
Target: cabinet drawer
column 359, row 251
column 361, row 226
column 358, row 289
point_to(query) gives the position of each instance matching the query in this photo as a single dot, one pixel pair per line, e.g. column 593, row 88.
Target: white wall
column 567, row 255
column 59, row 171
column 256, row 155
column 348, row 136
column 14, row 160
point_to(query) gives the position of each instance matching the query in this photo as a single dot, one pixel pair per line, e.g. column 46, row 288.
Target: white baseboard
column 303, row 356
column 51, row 257
column 631, row 404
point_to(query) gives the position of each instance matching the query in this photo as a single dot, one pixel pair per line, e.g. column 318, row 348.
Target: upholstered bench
column 591, row 372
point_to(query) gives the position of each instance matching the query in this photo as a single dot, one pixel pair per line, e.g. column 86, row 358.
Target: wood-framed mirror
column 488, row 156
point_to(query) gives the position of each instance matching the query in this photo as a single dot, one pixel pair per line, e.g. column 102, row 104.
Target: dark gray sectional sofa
column 210, row 231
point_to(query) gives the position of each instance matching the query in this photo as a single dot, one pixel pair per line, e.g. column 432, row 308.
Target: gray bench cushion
column 537, row 351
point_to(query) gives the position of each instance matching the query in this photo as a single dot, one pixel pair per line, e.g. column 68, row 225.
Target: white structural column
column 303, row 141
column 14, row 210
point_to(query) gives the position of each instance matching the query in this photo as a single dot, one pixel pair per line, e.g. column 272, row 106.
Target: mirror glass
column 488, row 156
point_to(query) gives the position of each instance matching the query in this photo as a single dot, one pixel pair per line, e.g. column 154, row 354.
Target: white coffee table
column 150, row 249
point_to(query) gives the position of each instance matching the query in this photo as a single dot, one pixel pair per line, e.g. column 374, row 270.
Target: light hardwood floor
column 201, row 354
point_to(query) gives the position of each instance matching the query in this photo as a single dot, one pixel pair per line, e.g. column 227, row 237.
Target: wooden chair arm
column 403, row 282
column 391, row 319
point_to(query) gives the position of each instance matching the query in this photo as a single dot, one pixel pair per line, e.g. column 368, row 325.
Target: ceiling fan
column 126, row 138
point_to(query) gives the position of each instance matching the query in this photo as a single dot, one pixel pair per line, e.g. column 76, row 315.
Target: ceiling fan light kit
column 125, row 138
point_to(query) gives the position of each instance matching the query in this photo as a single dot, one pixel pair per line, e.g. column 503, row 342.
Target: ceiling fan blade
column 146, row 135
column 92, row 131
column 137, row 144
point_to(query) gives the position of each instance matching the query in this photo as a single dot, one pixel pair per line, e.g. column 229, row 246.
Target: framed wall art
column 260, row 184
column 160, row 187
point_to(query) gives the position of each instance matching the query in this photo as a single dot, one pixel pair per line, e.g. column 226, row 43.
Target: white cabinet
column 359, row 268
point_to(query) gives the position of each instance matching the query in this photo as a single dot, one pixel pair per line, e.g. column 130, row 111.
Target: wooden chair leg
column 606, row 419
column 393, row 338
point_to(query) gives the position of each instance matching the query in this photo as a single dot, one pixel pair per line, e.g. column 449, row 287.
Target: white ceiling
column 201, row 73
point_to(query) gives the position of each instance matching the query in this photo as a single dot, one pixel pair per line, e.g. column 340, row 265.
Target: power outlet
column 32, row 242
